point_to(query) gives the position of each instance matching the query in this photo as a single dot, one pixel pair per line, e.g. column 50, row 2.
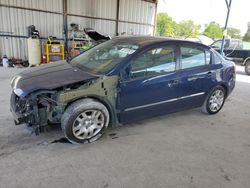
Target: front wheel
column 84, row 121
column 214, row 101
column 247, row 67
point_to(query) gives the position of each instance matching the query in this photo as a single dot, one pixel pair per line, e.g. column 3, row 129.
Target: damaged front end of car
column 36, row 110
column 46, row 107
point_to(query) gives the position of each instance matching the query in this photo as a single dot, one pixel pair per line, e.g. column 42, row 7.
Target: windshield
column 103, row 57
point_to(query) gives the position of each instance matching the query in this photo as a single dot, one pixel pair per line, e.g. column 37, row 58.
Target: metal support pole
column 65, row 26
column 117, row 17
column 155, row 17
column 225, row 28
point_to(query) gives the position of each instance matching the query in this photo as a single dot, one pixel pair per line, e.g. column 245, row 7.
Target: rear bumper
column 231, row 84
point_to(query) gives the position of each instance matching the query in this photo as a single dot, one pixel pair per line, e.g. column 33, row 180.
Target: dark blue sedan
column 120, row 81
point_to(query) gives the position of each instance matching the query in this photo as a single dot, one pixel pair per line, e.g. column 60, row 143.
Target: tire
column 214, row 101
column 247, row 67
column 84, row 121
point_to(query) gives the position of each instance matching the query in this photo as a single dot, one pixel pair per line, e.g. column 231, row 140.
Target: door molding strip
column 162, row 102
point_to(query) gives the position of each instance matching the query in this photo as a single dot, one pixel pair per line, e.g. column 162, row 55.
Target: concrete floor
column 186, row 149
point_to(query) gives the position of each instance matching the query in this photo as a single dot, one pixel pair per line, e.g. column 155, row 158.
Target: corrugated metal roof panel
column 135, row 29
column 16, row 22
column 94, row 8
column 13, row 47
column 49, row 5
column 102, row 26
column 137, row 11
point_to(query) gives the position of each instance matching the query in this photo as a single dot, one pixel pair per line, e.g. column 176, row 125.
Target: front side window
column 154, row 62
column 193, row 57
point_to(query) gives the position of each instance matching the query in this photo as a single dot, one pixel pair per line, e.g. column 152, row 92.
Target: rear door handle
column 173, row 83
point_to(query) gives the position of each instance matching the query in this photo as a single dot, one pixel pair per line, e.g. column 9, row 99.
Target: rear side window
column 154, row 62
column 217, row 58
column 194, row 57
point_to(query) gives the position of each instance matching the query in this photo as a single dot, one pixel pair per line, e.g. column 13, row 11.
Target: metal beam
column 109, row 19
column 65, row 26
column 25, row 37
column 151, row 1
column 117, row 17
column 228, row 3
column 155, row 17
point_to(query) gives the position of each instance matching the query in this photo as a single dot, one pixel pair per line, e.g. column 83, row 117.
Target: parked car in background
column 233, row 49
column 120, row 81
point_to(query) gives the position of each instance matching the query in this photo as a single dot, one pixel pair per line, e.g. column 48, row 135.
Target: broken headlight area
column 36, row 110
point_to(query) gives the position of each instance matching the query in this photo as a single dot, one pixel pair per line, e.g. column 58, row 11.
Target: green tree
column 213, row 30
column 186, row 29
column 164, row 25
column 234, row 33
column 247, row 35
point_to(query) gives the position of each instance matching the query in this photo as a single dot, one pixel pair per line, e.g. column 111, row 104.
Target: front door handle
column 209, row 74
column 173, row 83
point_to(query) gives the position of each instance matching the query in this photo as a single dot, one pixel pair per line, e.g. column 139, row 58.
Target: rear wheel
column 247, row 67
column 215, row 100
column 84, row 121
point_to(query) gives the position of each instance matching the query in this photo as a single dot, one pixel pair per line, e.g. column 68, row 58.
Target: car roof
column 149, row 40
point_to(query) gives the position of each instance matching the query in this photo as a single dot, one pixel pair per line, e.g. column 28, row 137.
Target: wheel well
column 225, row 87
column 246, row 60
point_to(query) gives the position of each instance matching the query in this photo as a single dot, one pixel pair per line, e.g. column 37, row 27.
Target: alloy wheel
column 88, row 124
column 216, row 100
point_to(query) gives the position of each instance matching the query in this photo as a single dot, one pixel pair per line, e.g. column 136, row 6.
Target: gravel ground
column 186, row 149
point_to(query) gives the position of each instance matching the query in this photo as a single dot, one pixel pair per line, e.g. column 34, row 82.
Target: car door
column 197, row 75
column 150, row 88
